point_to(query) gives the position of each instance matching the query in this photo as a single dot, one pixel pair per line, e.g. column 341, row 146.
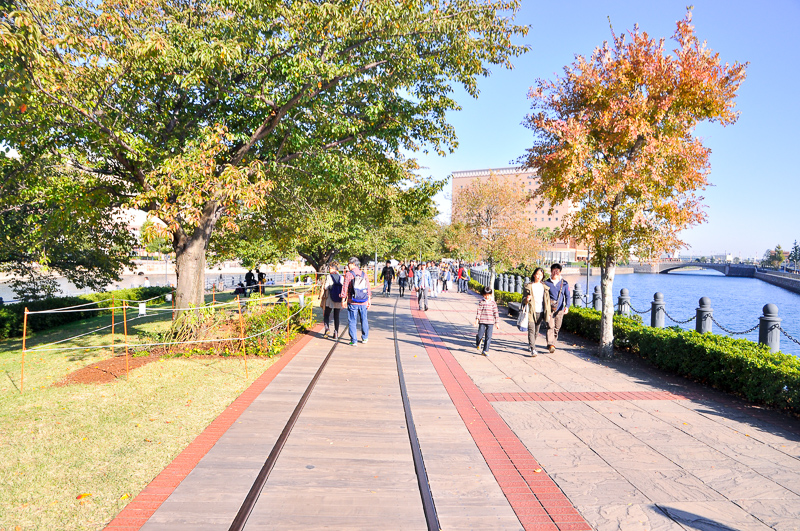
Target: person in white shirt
column 536, row 297
column 146, row 283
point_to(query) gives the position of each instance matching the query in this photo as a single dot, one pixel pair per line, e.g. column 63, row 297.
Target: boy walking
column 486, row 320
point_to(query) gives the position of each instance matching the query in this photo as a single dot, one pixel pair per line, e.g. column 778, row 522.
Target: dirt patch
column 105, row 371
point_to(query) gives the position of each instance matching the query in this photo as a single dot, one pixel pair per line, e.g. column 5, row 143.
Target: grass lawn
column 102, row 441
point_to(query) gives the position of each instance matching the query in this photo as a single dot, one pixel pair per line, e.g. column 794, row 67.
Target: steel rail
column 428, row 505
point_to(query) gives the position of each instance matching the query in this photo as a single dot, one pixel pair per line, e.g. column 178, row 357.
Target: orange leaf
column 23, row 108
column 82, row 496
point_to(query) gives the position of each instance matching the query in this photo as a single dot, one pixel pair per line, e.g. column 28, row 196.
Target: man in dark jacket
column 387, row 274
column 560, row 297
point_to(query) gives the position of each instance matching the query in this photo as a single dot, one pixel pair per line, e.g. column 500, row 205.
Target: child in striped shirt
column 487, row 318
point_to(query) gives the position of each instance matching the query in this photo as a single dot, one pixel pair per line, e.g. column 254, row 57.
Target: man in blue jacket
column 559, row 297
column 423, row 284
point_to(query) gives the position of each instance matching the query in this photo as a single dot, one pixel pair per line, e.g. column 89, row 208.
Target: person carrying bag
column 538, row 307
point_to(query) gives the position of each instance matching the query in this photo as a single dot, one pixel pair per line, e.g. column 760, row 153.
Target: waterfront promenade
column 561, row 441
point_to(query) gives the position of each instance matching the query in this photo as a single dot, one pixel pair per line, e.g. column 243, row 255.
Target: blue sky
column 753, row 203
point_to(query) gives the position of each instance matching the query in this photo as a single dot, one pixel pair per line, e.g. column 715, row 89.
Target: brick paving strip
column 582, row 396
column 145, row 504
column 537, row 501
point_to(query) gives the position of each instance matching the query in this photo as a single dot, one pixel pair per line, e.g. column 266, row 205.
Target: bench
column 514, row 308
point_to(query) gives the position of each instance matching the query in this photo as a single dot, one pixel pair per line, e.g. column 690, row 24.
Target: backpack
column 359, row 289
column 335, row 291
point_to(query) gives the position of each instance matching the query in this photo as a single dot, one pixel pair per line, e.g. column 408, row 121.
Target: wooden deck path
column 557, row 442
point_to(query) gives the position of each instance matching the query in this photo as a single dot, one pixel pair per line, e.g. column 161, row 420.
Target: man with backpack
column 463, row 279
column 559, row 304
column 356, row 297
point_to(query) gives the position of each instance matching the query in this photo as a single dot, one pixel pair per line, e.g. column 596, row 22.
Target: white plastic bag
column 522, row 320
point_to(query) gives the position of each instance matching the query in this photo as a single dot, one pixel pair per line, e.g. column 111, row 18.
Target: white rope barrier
column 69, row 309
column 122, row 323
column 140, row 345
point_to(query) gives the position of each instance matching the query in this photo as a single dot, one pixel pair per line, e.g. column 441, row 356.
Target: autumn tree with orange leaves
column 615, row 135
column 488, row 223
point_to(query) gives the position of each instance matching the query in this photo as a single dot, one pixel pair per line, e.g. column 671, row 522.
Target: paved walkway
column 558, row 442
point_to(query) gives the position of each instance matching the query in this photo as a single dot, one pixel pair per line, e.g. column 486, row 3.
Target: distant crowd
column 544, row 302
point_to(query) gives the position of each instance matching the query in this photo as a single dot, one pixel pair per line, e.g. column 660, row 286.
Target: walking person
column 422, row 283
column 486, row 320
column 463, row 279
column 387, row 275
column 332, row 299
column 446, row 276
column 559, row 304
column 434, row 273
column 402, row 278
column 356, row 297
column 536, row 296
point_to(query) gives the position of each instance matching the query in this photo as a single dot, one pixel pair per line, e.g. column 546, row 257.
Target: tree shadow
column 692, row 520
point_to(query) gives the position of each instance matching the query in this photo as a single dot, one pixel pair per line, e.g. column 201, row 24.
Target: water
column 737, row 302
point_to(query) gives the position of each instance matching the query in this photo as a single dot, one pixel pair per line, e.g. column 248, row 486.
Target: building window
column 556, row 218
column 548, row 219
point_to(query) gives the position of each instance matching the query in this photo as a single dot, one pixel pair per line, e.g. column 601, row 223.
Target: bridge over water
column 729, row 270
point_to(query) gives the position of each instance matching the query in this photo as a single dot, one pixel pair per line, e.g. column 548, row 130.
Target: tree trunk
column 607, row 270
column 190, row 259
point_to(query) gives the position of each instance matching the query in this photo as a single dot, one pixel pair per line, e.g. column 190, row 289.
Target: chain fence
column 637, row 311
column 788, row 336
column 729, row 331
column 689, row 320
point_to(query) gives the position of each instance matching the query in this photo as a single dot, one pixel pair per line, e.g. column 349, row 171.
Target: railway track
column 429, row 508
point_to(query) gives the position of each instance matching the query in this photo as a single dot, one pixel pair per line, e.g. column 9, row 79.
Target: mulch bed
column 113, row 369
column 105, row 371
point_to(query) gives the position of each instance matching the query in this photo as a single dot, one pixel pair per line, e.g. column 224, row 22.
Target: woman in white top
column 537, row 298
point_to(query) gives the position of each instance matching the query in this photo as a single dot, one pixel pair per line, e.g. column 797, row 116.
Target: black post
column 577, row 296
column 597, row 299
column 769, row 333
column 657, row 311
column 624, row 302
column 704, row 313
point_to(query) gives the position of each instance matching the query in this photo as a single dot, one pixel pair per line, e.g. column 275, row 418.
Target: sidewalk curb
column 134, row 515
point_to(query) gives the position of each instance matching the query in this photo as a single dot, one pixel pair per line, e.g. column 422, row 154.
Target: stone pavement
column 561, row 441
column 627, row 449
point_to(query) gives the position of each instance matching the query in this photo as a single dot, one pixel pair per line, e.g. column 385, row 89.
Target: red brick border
column 144, row 505
column 581, row 396
column 537, row 501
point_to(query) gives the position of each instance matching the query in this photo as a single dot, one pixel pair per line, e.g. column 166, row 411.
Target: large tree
column 197, row 111
column 615, row 136
column 488, row 213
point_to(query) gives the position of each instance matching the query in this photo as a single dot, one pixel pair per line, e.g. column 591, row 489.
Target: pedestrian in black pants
column 402, row 279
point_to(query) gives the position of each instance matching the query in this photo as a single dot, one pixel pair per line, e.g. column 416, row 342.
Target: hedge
column 502, row 297
column 736, row 366
column 12, row 315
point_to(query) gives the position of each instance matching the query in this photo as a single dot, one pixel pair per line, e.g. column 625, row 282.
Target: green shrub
column 268, row 323
column 12, row 315
column 736, row 366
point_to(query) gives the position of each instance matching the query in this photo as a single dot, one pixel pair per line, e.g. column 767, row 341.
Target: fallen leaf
column 125, row 496
column 82, row 496
column 537, row 470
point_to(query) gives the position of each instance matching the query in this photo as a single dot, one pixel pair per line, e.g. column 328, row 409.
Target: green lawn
column 107, row 441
